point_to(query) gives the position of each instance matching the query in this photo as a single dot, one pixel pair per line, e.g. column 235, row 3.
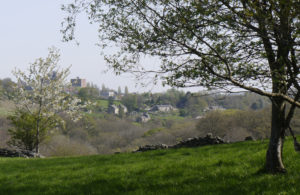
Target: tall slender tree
column 126, row 90
column 251, row 45
column 119, row 90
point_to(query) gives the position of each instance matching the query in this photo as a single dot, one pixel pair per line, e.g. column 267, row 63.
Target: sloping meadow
column 221, row 169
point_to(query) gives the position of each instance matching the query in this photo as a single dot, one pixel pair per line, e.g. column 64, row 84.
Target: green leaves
column 224, row 44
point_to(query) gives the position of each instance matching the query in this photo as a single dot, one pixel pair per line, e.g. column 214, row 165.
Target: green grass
column 168, row 116
column 102, row 103
column 222, row 169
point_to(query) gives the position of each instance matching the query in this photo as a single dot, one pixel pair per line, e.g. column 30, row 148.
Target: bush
column 23, row 134
column 63, row 146
column 235, row 125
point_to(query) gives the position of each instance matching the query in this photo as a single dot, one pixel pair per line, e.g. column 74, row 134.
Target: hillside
column 222, row 169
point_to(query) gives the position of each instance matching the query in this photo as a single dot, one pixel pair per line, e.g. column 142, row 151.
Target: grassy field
column 222, row 169
column 167, row 116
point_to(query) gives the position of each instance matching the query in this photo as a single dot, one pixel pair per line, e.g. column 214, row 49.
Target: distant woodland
column 230, row 116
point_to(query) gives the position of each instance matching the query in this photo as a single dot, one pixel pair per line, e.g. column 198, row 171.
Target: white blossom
column 41, row 90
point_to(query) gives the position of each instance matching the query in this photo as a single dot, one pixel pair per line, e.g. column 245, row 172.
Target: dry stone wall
column 209, row 139
column 4, row 152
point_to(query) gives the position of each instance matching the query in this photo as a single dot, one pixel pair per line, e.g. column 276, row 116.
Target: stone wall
column 191, row 142
column 152, row 147
column 199, row 141
column 4, row 152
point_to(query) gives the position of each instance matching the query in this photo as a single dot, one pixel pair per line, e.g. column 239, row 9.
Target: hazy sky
column 29, row 28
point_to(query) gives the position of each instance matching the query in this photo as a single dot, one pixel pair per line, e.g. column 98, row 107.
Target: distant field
column 222, row 169
column 168, row 116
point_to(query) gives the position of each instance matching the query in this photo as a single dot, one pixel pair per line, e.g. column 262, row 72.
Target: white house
column 162, row 108
column 114, row 109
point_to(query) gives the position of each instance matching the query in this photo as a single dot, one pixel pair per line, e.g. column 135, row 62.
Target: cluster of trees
column 35, row 120
column 193, row 104
column 90, row 92
column 189, row 104
column 235, row 125
column 101, row 133
column 104, row 133
column 6, row 88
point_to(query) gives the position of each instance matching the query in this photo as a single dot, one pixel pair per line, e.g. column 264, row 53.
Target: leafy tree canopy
column 223, row 44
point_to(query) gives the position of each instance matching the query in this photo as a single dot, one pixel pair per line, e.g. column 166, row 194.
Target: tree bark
column 37, row 136
column 274, row 162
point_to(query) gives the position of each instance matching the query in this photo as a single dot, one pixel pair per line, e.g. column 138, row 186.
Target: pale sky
column 29, row 28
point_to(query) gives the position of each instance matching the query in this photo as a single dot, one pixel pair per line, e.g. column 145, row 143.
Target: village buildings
column 114, row 109
column 163, row 108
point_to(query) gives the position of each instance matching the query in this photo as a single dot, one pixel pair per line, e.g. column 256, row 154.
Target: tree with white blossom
column 41, row 96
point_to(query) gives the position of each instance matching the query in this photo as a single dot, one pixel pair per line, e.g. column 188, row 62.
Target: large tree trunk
column 274, row 162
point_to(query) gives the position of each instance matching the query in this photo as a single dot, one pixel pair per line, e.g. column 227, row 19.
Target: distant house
column 114, row 109
column 108, row 93
column 78, row 82
column 162, row 108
